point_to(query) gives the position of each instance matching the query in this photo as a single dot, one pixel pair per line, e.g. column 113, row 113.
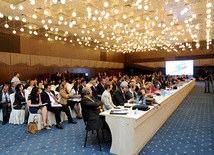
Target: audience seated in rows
column 117, row 85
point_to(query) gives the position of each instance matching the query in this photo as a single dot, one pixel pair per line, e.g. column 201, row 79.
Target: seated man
column 5, row 103
column 119, row 97
column 91, row 110
column 48, row 96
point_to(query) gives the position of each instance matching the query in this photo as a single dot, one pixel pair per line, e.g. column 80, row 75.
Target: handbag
column 141, row 107
column 32, row 126
column 150, row 101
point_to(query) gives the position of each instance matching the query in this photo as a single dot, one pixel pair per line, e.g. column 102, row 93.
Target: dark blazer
column 100, row 89
column 45, row 97
column 91, row 114
column 94, row 92
column 114, row 87
column 129, row 95
column 118, row 84
column 118, row 98
column 18, row 99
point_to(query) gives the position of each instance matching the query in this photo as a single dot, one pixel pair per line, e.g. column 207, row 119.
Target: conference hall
column 99, row 77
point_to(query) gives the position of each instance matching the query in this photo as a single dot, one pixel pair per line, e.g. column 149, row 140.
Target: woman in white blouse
column 106, row 97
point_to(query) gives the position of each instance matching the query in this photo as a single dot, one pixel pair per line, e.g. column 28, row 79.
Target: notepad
column 56, row 105
column 119, row 112
column 42, row 105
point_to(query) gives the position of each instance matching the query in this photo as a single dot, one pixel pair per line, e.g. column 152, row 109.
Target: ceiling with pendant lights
column 114, row 25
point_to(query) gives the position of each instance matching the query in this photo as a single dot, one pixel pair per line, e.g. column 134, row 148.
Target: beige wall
column 39, row 45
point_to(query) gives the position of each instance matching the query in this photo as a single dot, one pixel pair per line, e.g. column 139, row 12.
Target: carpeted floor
column 189, row 130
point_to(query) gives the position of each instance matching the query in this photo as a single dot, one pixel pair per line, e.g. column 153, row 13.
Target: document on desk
column 56, row 105
column 42, row 105
column 119, row 112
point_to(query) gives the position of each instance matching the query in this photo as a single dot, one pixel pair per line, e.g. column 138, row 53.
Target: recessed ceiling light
column 74, row 14
column 105, row 4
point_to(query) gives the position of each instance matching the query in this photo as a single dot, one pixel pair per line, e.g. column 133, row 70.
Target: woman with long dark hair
column 34, row 103
column 76, row 99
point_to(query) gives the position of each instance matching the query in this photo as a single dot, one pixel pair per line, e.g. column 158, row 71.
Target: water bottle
column 172, row 90
column 179, row 84
column 164, row 93
column 137, row 99
column 136, row 111
column 144, row 101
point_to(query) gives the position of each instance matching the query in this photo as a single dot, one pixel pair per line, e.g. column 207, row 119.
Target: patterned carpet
column 189, row 130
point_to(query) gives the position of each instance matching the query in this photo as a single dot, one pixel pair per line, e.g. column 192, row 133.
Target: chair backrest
column 27, row 92
column 12, row 99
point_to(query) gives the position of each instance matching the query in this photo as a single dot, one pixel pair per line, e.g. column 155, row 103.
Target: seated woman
column 106, row 97
column 76, row 99
column 20, row 102
column 142, row 93
column 66, row 97
column 156, row 84
column 149, row 87
column 34, row 100
column 31, row 85
column 131, row 93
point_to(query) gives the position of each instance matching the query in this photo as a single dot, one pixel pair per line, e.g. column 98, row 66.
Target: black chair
column 87, row 130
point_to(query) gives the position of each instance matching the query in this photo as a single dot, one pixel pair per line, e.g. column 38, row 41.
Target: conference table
column 132, row 131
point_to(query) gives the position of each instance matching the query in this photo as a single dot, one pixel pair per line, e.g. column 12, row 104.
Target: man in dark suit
column 48, row 96
column 82, row 85
column 119, row 95
column 94, row 90
column 5, row 103
column 100, row 87
column 120, row 80
column 114, row 85
column 91, row 110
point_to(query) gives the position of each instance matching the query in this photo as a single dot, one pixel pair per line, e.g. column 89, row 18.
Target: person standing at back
column 206, row 77
column 100, row 88
column 16, row 79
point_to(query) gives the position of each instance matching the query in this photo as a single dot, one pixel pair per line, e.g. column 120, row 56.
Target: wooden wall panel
column 112, row 64
column 53, row 61
column 20, row 59
column 4, row 58
column 100, row 64
column 121, row 65
column 86, row 63
column 65, row 62
column 38, row 60
column 206, row 62
column 106, row 64
column 76, row 63
column 9, row 43
column 93, row 64
column 196, row 62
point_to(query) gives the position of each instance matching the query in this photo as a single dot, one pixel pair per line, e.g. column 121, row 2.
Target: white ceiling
column 179, row 21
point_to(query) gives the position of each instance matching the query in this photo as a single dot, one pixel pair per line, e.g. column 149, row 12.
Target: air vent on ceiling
column 171, row 14
column 127, row 5
column 14, row 2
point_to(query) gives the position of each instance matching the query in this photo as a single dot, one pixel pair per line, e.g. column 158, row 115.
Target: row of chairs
column 18, row 116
